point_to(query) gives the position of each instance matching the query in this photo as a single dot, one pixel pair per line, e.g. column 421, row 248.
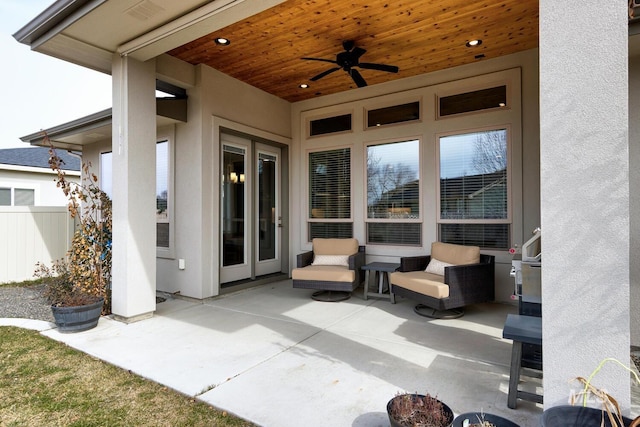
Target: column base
column 132, row 319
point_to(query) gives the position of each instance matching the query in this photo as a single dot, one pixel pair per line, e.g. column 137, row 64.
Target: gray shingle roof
column 37, row 157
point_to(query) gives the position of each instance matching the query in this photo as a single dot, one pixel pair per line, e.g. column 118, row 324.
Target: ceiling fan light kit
column 349, row 59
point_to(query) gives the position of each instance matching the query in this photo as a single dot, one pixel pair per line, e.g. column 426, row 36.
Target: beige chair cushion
column 455, row 254
column 335, row 246
column 421, row 282
column 328, row 273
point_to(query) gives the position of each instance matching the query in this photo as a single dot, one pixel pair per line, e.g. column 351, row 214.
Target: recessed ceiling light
column 473, row 43
column 303, row 86
column 502, row 104
column 222, row 41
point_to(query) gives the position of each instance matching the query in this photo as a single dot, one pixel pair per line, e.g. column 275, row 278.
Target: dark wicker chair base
column 331, row 296
column 433, row 313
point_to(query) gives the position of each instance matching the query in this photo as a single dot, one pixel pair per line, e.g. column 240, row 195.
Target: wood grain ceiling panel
column 418, row 36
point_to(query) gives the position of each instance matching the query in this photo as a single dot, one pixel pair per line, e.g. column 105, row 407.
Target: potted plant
column 608, row 415
column 409, row 410
column 79, row 285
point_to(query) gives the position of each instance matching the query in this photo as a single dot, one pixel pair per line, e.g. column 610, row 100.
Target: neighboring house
column 35, row 224
column 237, row 170
column 27, row 180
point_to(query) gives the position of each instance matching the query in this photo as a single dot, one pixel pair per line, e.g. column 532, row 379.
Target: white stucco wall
column 41, row 180
column 584, row 196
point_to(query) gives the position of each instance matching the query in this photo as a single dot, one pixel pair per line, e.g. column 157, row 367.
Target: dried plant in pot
column 85, row 273
column 608, row 414
column 417, row 410
column 73, row 309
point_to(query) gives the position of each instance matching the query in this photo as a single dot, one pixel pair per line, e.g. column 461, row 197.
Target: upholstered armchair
column 447, row 280
column 333, row 267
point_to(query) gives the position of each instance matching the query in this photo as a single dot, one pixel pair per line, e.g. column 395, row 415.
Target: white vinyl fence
column 29, row 234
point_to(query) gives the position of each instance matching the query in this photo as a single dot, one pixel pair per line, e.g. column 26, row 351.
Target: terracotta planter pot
column 473, row 417
column 414, row 397
column 78, row 318
column 576, row 416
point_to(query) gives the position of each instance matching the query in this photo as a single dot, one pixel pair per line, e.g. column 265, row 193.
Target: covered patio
column 568, row 134
column 276, row 357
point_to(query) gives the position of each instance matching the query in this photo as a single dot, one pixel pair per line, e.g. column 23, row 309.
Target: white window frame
column 167, row 135
column 420, row 217
column 308, row 218
column 12, row 190
column 510, row 200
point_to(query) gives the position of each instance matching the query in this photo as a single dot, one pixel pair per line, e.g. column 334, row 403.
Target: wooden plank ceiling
column 418, row 36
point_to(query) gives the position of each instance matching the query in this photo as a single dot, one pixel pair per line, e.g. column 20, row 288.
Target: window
column 473, row 191
column 330, row 194
column 106, row 173
column 5, row 197
column 393, row 193
column 395, row 114
column 20, row 196
column 162, row 195
column 485, row 99
column 330, row 125
column 23, row 197
column 163, row 190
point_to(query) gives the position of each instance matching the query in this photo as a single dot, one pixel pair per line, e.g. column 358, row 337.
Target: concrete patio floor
column 272, row 355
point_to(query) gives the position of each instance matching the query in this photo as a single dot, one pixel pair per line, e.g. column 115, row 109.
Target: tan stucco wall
column 196, row 163
column 196, row 178
column 526, row 186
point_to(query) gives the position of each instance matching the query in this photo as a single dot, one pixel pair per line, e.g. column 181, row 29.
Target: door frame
column 211, row 253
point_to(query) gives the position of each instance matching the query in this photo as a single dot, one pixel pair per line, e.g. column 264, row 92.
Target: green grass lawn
column 46, row 383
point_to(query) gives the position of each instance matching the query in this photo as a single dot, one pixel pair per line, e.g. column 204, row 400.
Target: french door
column 250, row 209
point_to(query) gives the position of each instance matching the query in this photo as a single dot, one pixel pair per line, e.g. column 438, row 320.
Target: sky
column 39, row 91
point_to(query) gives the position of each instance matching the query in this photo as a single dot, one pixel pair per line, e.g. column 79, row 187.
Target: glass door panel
column 235, row 208
column 268, row 211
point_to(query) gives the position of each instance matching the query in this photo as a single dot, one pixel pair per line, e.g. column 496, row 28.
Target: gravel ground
column 24, row 302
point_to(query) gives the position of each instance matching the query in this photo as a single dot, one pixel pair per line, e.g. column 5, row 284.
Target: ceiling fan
column 351, row 58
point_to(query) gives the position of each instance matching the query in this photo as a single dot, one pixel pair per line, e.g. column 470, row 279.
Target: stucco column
column 584, row 196
column 134, row 189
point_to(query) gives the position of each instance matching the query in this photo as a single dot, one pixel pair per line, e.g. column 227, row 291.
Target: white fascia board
column 82, row 124
column 33, row 169
column 205, row 20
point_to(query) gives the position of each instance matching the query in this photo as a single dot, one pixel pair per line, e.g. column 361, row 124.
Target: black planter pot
column 78, row 318
column 576, row 416
column 474, row 417
column 414, row 397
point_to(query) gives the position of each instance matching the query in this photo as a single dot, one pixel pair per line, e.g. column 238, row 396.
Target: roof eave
column 94, row 120
column 53, row 20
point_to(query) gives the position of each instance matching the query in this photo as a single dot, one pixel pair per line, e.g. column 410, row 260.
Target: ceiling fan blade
column 355, row 75
column 379, row 67
column 321, row 59
column 324, row 73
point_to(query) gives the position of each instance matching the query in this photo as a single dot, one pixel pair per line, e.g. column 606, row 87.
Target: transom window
column 393, row 193
column 474, row 189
